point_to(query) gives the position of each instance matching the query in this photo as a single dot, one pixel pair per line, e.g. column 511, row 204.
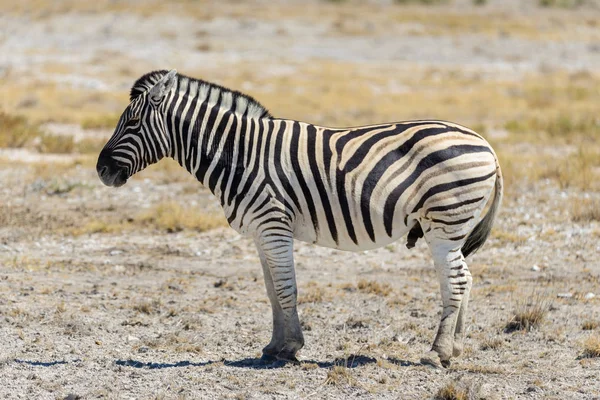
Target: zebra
column 352, row 189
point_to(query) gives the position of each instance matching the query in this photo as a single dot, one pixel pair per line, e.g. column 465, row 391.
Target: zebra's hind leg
column 459, row 333
column 454, row 285
column 275, row 251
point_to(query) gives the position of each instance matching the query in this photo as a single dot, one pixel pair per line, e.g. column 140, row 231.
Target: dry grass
column 529, row 313
column 147, row 306
column 374, row 287
column 103, row 121
column 585, row 210
column 173, row 217
column 16, row 130
column 99, row 226
column 340, row 375
column 591, row 347
column 89, row 146
column 569, row 4
column 574, row 168
column 492, row 344
column 458, row 391
column 59, row 144
column 312, row 293
column 590, row 325
column 422, row 2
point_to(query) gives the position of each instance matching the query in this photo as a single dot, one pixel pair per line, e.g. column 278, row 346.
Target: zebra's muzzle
column 110, row 172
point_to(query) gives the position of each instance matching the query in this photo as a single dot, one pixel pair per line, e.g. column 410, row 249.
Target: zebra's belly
column 323, row 237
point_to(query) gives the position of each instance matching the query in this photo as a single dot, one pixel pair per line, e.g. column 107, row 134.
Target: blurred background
column 154, row 255
column 525, row 71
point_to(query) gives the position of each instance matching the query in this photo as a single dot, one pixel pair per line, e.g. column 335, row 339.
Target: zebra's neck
column 208, row 136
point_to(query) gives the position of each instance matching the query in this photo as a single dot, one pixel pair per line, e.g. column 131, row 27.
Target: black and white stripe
column 348, row 188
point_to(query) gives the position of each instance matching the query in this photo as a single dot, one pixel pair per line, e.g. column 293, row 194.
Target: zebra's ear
column 162, row 87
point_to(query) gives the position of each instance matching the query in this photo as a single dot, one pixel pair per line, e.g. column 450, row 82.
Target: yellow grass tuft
column 590, row 325
column 374, row 287
column 451, row 391
column 585, row 210
column 60, row 144
column 492, row 344
column 16, row 131
column 103, row 121
column 311, row 294
column 591, row 347
column 529, row 313
column 173, row 217
column 147, row 306
column 340, row 375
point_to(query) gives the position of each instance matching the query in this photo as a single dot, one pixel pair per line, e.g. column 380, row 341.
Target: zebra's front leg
column 454, row 284
column 275, row 250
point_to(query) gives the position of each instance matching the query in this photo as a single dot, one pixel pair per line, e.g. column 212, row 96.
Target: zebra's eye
column 134, row 118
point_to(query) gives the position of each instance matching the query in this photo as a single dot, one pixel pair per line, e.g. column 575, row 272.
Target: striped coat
column 348, row 188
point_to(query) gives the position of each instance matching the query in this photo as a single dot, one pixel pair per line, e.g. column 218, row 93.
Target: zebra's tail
column 482, row 230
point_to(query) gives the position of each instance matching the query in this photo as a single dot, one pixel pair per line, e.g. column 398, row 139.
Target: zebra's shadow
column 352, row 361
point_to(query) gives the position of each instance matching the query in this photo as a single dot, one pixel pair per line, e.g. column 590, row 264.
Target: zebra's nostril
column 103, row 170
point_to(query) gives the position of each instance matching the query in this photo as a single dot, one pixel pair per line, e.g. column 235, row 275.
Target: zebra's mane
column 240, row 103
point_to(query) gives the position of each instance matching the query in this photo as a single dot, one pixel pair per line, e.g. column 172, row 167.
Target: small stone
column 131, row 338
column 564, row 295
column 535, row 268
column 589, row 296
column 116, row 252
column 119, row 268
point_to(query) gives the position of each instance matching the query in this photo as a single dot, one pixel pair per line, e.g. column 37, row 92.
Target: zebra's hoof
column 432, row 359
column 279, row 358
column 288, row 358
column 457, row 349
column 267, row 359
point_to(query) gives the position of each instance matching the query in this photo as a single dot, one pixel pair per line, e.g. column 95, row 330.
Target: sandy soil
column 95, row 304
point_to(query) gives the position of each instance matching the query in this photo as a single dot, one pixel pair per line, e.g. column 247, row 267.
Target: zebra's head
column 140, row 138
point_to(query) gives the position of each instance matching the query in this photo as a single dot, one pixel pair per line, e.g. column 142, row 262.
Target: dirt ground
column 141, row 292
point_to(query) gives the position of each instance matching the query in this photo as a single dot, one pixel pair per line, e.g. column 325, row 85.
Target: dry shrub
column 460, row 391
column 508, row 237
column 172, row 217
column 147, row 307
column 60, row 144
column 590, row 325
column 16, row 131
column 577, row 170
column 566, row 126
column 312, row 294
column 585, row 210
column 98, row 226
column 491, row 344
column 106, row 121
column 374, row 287
column 340, row 375
column 422, row 2
column 529, row 313
column 561, row 3
column 591, row 347
column 179, row 342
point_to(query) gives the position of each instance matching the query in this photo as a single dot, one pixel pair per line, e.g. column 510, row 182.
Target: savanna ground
column 142, row 292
